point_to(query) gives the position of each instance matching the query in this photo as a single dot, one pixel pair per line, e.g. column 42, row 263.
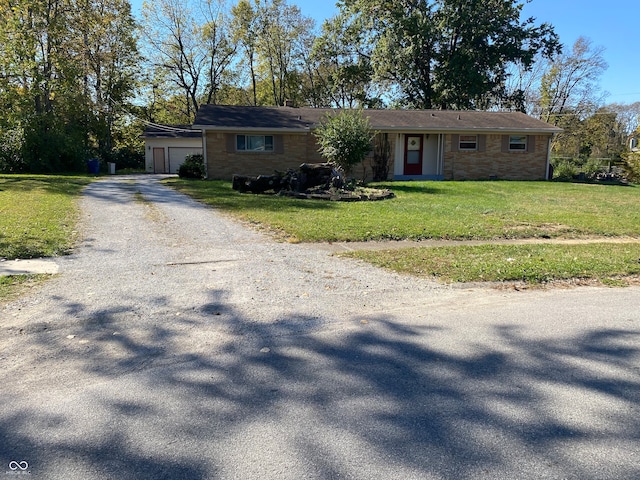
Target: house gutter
column 501, row 131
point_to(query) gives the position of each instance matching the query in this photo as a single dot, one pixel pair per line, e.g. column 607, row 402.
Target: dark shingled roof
column 223, row 117
column 171, row 131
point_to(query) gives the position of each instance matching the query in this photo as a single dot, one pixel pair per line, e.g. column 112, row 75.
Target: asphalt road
column 177, row 344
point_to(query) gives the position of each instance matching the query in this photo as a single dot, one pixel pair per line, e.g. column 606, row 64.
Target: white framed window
column 254, row 143
column 517, row 143
column 468, row 142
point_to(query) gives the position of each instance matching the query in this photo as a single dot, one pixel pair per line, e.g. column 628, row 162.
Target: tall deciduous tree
column 448, row 53
column 191, row 47
column 218, row 41
column 569, row 94
column 339, row 67
column 570, row 83
column 107, row 49
column 170, row 31
column 245, row 25
column 627, row 117
column 282, row 28
column 67, row 67
column 275, row 39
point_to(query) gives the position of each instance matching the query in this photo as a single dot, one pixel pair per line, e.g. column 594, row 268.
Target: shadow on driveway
column 379, row 400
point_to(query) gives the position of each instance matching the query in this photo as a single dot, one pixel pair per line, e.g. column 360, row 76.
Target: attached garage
column 178, row 154
column 166, row 147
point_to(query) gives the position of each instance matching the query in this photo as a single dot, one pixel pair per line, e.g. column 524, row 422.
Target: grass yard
column 462, row 211
column 608, row 263
column 439, row 210
column 38, row 214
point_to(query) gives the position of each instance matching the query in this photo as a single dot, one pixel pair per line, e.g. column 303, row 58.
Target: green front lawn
column 38, row 214
column 605, row 262
column 439, row 210
column 462, row 210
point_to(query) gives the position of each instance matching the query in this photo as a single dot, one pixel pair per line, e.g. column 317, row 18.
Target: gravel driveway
column 177, row 343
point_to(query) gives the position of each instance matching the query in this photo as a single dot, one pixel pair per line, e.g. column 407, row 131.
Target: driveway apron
column 178, row 343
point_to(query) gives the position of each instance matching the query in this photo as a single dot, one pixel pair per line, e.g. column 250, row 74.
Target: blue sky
column 613, row 24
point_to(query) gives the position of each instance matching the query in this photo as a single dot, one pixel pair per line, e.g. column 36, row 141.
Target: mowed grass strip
column 533, row 264
column 38, row 214
column 439, row 210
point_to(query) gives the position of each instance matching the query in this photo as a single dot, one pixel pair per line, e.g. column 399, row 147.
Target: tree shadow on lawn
column 214, row 393
column 32, row 246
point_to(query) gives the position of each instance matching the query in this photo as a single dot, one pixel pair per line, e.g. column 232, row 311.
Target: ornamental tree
column 345, row 138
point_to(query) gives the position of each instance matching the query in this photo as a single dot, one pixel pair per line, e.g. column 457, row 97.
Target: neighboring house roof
column 171, row 131
column 224, row 117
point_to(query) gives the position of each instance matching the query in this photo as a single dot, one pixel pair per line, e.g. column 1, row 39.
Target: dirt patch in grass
column 543, row 229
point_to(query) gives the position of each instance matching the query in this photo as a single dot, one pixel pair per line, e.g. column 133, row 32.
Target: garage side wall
column 291, row 149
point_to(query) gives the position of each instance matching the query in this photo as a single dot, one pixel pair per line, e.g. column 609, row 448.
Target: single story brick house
column 166, row 146
column 424, row 144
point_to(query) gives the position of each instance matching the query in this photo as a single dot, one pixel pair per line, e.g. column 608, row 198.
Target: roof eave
column 252, row 129
column 399, row 129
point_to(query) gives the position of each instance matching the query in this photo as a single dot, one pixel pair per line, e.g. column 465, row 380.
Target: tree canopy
column 66, row 69
column 448, row 54
column 78, row 78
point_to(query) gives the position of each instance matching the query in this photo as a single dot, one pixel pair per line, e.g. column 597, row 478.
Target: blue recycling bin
column 94, row 165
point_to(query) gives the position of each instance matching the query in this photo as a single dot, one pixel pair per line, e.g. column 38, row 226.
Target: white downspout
column 441, row 155
column 546, row 174
column 204, row 153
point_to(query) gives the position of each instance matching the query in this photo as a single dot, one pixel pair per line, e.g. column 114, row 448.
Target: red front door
column 413, row 155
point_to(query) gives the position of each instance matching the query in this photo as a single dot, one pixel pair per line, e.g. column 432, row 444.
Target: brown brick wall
column 494, row 163
column 300, row 148
column 223, row 164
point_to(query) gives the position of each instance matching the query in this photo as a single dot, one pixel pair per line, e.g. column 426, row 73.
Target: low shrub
column 128, row 158
column 589, row 170
column 592, row 168
column 192, row 167
column 631, row 166
column 564, row 171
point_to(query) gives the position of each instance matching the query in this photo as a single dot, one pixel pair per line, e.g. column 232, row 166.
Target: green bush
column 345, row 138
column 631, row 166
column 193, row 167
column 564, row 171
column 592, row 168
column 128, row 158
column 11, row 160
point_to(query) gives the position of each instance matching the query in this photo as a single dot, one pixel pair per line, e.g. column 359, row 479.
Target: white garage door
column 178, row 154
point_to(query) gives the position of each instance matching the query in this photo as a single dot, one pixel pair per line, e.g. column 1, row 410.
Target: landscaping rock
column 319, row 181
